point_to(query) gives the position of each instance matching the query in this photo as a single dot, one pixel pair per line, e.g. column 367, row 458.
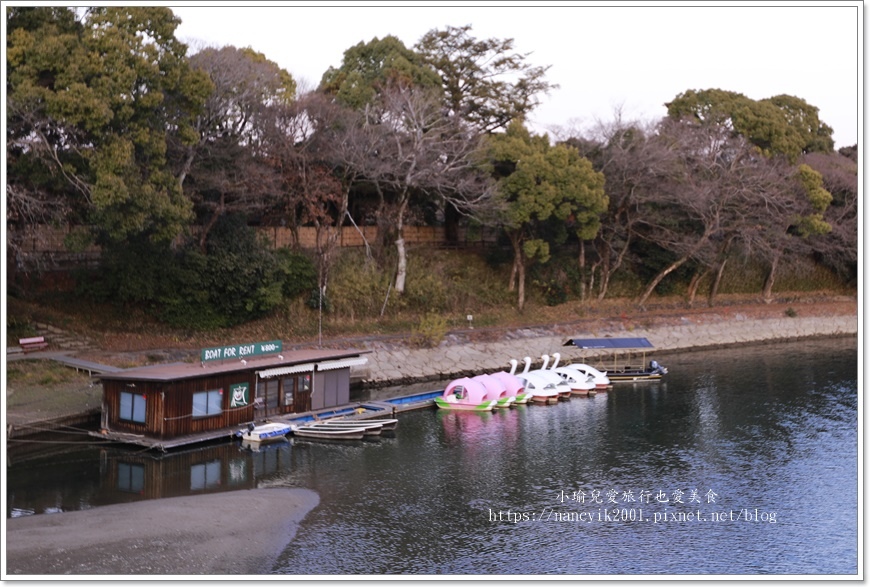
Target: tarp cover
column 609, row 343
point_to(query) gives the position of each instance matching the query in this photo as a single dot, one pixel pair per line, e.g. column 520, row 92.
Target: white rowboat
column 329, row 433
column 385, row 423
column 268, row 432
column 370, row 429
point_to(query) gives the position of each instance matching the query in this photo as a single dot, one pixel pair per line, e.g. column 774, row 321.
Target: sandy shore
column 232, row 533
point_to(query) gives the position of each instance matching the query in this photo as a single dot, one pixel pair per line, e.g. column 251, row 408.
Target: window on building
column 294, row 385
column 132, row 407
column 289, row 388
column 208, row 403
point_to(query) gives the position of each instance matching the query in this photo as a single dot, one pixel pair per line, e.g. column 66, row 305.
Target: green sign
column 241, row 351
column 240, row 395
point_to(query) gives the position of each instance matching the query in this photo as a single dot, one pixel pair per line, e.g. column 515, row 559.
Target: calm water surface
column 742, row 461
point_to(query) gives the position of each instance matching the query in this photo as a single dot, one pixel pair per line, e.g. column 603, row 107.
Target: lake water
column 739, row 462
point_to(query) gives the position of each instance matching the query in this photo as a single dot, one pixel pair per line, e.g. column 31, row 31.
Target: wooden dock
column 356, row 411
column 82, row 365
column 78, row 420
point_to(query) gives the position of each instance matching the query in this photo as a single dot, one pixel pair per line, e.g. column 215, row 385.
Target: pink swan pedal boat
column 465, row 394
column 495, row 390
column 513, row 385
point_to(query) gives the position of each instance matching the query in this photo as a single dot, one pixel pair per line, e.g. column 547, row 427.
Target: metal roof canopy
column 322, row 366
column 301, row 368
column 610, row 343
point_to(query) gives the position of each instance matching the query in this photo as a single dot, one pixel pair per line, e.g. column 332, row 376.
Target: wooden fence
column 49, row 240
column 352, row 236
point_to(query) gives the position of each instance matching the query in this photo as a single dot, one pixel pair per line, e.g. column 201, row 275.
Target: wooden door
column 268, row 397
column 302, row 402
column 296, row 391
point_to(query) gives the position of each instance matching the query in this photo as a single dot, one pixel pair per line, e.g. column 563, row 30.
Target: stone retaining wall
column 394, row 366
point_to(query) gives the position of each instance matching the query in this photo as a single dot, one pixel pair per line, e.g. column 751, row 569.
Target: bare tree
column 229, row 167
column 313, row 191
column 405, row 149
column 635, row 166
column 764, row 204
column 691, row 210
column 839, row 248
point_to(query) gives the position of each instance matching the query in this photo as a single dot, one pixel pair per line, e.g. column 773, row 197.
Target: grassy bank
column 443, row 289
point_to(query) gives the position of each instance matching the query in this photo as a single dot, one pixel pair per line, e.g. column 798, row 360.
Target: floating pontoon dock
column 357, row 411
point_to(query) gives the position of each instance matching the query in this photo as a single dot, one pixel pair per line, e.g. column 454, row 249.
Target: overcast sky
column 603, row 57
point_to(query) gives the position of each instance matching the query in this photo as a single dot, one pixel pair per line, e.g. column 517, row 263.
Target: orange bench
column 32, row 344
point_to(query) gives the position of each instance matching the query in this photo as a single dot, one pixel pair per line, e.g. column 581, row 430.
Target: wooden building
column 196, row 399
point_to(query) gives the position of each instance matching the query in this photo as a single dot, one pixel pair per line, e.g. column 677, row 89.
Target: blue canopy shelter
column 621, row 368
column 610, row 343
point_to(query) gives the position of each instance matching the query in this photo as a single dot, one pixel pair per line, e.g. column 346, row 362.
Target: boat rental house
column 181, row 403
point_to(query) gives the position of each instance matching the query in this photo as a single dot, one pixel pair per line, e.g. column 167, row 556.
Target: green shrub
column 297, row 272
column 18, row 327
column 357, row 288
column 425, row 290
column 499, row 257
column 430, row 331
column 554, row 291
column 316, row 301
column 241, row 270
column 237, row 280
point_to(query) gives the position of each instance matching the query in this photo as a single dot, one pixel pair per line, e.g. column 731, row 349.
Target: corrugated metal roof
column 177, row 371
column 321, row 366
column 340, row 364
column 609, row 343
column 288, row 370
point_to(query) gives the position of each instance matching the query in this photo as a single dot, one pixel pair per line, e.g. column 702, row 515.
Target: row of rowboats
column 332, row 429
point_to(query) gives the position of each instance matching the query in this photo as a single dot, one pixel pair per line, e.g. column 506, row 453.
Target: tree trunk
column 402, row 262
column 605, row 283
column 518, row 256
column 608, row 270
column 694, row 284
column 185, row 168
column 451, row 224
column 218, row 211
column 717, row 281
column 385, row 233
column 581, row 264
column 521, row 286
column 401, row 266
column 767, row 290
column 593, row 271
column 333, row 234
column 658, row 279
column 518, row 273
